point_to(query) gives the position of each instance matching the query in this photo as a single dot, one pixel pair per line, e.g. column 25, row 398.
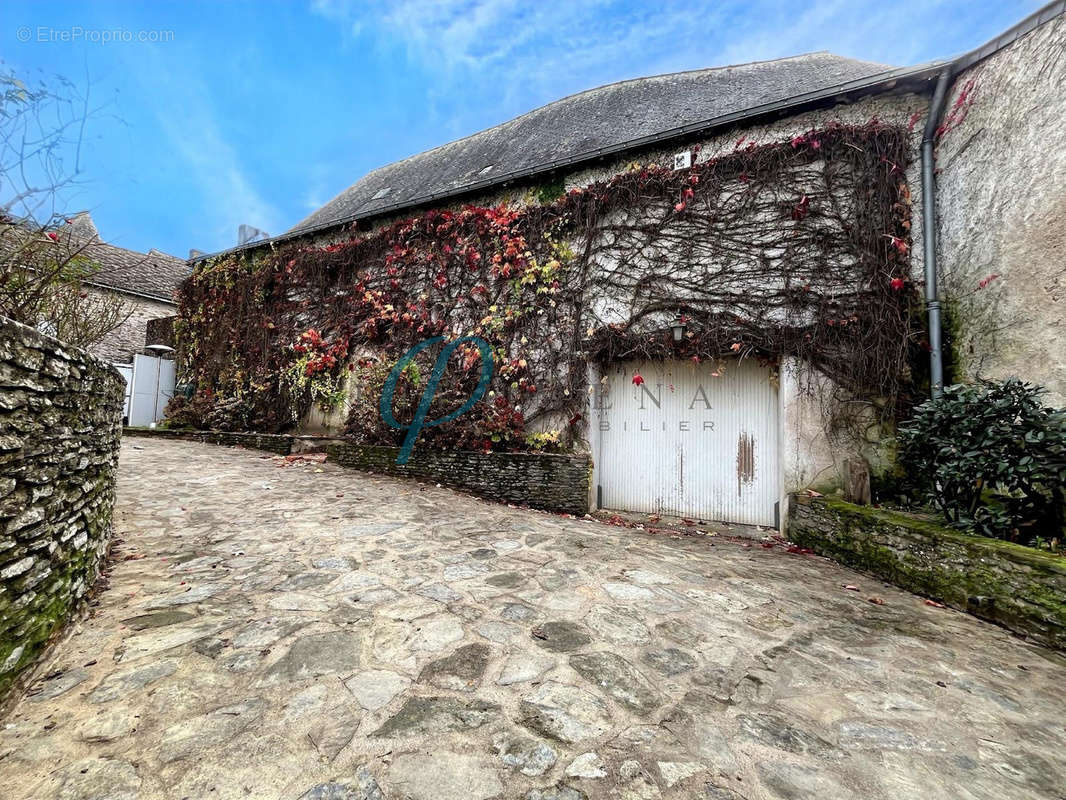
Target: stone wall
column 1001, row 197
column 60, row 423
column 273, row 443
column 129, row 338
column 548, row 482
column 160, row 331
column 1018, row 587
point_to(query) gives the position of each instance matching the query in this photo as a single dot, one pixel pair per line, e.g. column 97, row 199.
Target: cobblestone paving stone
column 308, row 632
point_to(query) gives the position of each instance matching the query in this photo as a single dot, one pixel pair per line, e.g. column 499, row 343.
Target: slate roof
column 586, row 122
column 153, row 274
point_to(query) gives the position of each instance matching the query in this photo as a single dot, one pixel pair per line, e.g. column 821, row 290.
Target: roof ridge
column 622, row 82
column 100, row 242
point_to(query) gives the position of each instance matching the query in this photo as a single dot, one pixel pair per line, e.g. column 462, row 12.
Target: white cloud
column 226, row 191
column 532, row 44
column 228, row 195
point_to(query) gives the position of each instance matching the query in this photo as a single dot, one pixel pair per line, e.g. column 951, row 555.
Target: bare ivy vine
column 796, row 248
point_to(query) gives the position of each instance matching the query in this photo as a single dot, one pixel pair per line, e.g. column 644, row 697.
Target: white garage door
column 689, row 442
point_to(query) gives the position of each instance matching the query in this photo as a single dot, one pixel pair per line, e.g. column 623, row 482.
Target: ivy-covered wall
column 60, row 423
column 796, row 248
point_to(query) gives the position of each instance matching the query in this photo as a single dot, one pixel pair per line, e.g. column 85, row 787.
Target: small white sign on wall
column 683, row 160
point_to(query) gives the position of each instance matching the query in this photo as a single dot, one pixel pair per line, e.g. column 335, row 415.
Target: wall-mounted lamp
column 678, row 327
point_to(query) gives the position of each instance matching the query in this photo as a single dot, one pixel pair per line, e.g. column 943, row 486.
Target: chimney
column 82, row 227
column 248, row 233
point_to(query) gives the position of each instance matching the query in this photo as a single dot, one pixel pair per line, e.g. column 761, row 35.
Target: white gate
column 692, row 440
column 126, row 371
column 153, row 386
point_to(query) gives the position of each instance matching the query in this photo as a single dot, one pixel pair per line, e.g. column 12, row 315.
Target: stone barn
column 713, row 287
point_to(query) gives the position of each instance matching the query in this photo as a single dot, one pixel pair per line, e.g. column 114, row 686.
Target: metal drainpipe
column 932, row 297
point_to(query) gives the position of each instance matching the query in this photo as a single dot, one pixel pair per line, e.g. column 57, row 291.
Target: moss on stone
column 1016, row 586
column 550, row 191
column 62, row 533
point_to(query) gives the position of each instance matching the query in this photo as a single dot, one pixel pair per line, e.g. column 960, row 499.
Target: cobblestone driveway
column 304, row 631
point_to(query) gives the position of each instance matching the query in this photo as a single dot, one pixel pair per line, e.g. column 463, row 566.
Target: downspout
column 932, row 296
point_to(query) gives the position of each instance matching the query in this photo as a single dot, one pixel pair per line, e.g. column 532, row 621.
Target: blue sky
column 260, row 112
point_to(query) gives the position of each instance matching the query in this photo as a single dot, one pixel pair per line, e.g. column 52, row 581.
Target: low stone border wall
column 539, row 480
column 273, row 443
column 60, row 422
column 1017, row 587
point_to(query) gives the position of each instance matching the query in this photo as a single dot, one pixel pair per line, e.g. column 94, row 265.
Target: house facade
column 146, row 283
column 710, row 282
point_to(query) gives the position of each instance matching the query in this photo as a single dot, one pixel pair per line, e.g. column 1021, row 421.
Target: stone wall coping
column 387, row 449
column 36, row 340
column 1018, row 587
column 980, row 546
column 140, row 430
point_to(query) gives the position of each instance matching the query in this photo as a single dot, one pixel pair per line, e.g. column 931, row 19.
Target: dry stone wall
column 60, row 425
column 545, row 481
column 278, row 444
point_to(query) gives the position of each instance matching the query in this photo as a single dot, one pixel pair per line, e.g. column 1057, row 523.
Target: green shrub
column 992, row 458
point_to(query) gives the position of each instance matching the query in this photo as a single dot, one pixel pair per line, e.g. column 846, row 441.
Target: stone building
column 1001, row 194
column 683, row 439
column 146, row 282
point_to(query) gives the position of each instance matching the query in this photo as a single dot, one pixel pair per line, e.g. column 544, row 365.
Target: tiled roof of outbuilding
column 155, row 274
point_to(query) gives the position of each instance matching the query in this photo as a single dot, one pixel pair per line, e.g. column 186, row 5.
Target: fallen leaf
column 934, row 604
column 851, row 588
column 877, row 601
